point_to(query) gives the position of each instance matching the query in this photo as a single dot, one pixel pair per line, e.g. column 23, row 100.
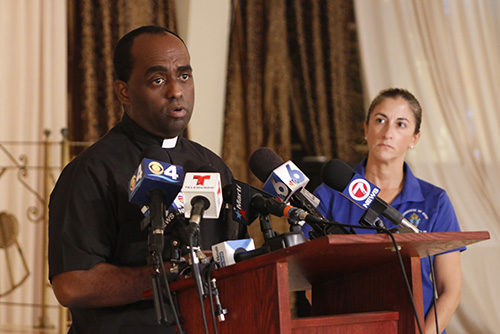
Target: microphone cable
column 158, row 277
column 197, row 280
column 169, row 294
column 211, row 267
column 434, row 292
column 400, row 259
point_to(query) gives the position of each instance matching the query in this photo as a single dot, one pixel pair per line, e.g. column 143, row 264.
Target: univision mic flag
column 361, row 191
column 223, row 253
column 153, row 174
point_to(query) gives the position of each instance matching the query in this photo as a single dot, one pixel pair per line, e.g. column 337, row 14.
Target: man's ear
column 121, row 90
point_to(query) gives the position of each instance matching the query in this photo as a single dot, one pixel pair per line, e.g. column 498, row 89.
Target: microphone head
column 153, row 173
column 337, row 174
column 281, row 179
column 241, row 195
column 227, row 193
column 223, row 253
column 201, row 199
column 203, row 184
column 263, row 162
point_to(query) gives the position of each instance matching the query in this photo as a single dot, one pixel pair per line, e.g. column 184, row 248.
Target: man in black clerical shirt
column 97, row 250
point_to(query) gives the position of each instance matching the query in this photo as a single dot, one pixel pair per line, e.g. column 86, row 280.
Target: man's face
column 159, row 95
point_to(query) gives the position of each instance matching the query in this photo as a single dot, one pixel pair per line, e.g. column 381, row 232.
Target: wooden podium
column 356, row 280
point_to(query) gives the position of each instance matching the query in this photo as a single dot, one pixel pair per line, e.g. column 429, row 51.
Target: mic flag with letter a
column 340, row 176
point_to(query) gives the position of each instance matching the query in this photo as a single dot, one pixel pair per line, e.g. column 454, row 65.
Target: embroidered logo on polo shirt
column 415, row 216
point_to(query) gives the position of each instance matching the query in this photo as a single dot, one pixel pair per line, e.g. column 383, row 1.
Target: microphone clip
column 370, row 218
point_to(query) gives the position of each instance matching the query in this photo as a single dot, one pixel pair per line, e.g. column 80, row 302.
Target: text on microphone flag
column 285, row 180
column 155, row 174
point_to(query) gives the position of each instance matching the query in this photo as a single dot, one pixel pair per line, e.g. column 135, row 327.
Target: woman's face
column 390, row 130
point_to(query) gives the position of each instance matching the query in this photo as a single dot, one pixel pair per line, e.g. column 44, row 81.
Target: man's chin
column 172, row 132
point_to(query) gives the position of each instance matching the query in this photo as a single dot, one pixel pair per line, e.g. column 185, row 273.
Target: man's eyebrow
column 160, row 68
column 185, row 68
column 154, row 69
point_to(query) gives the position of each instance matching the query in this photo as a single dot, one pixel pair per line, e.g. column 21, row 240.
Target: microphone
column 281, row 179
column 274, row 207
column 202, row 193
column 340, row 176
column 225, row 253
column 175, row 210
column 239, row 195
column 155, row 184
column 154, row 173
column 247, row 202
column 286, row 181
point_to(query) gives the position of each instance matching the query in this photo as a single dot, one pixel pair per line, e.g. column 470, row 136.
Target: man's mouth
column 177, row 112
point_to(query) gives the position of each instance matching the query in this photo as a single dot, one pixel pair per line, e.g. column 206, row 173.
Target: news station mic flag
column 281, row 179
column 341, row 177
column 155, row 174
column 203, row 184
column 287, row 182
column 155, row 184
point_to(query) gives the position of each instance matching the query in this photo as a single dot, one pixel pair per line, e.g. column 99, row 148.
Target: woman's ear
column 415, row 140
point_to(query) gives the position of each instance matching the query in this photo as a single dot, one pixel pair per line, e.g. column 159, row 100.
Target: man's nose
column 174, row 90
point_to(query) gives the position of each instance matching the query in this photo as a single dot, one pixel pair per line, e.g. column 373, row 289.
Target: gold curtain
column 293, row 85
column 293, row 77
column 95, row 26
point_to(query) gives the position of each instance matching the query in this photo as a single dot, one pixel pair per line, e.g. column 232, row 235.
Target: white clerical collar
column 169, row 142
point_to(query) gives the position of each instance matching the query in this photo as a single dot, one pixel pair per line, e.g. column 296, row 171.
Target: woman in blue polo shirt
column 392, row 127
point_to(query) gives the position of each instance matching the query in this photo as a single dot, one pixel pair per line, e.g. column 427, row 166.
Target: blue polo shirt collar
column 411, row 192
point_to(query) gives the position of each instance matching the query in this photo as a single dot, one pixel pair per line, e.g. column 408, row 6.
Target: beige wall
column 204, row 26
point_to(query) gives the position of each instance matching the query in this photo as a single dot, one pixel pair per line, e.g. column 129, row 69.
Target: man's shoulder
column 110, row 149
column 198, row 148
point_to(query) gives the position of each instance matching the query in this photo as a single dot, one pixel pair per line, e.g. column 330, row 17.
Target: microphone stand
column 370, row 219
column 155, row 220
column 161, row 312
column 294, row 225
column 272, row 240
column 266, row 228
column 195, row 269
column 157, row 277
